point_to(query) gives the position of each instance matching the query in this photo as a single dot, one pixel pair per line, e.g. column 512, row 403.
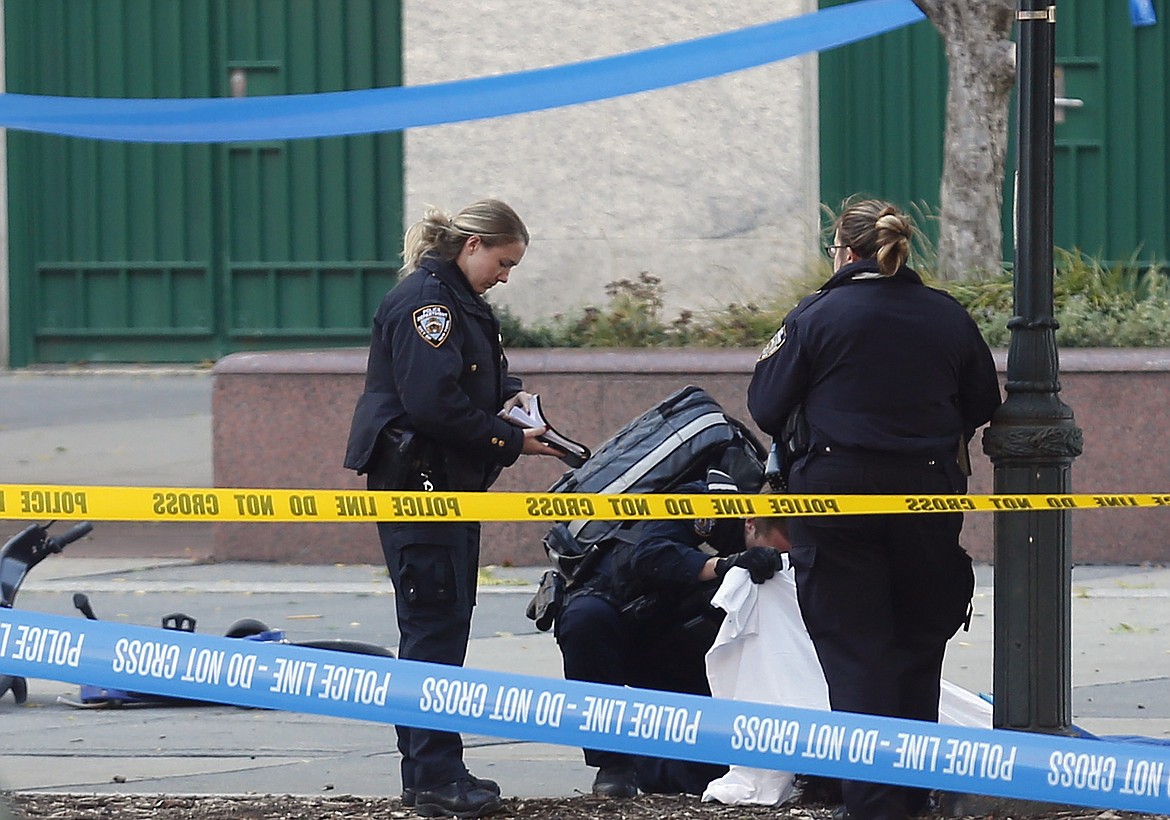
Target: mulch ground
column 285, row 807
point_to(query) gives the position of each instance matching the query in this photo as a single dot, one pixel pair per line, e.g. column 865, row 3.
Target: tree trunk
column 981, row 73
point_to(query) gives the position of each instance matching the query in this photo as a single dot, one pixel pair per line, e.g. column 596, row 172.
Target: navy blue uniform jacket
column 881, row 364
column 436, row 366
column 667, row 556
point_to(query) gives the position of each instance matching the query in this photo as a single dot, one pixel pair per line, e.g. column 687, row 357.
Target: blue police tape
column 1017, row 765
column 344, row 113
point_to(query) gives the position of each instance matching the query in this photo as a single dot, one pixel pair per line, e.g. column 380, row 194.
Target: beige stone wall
column 711, row 186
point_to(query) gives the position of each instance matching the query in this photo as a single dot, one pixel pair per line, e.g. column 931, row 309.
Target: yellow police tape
column 19, row 501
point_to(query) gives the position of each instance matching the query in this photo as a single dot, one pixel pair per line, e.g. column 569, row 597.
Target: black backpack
column 672, row 443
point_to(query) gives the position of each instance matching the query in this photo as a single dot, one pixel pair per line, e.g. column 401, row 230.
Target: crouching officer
column 644, row 619
column 435, row 380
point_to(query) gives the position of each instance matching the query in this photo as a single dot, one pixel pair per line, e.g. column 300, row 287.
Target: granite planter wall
column 281, row 420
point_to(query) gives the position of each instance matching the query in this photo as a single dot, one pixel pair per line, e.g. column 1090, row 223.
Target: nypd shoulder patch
column 433, row 323
column 704, row 527
column 774, row 344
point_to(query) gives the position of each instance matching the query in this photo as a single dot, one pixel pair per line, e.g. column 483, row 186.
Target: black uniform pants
column 434, row 568
column 881, row 595
column 601, row 645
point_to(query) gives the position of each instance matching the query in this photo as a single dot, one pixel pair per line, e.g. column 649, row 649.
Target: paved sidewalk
column 143, row 426
column 1120, row 617
column 222, row 749
column 152, row 426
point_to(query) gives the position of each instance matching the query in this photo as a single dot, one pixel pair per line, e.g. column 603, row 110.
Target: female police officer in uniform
column 893, row 378
column 427, row 420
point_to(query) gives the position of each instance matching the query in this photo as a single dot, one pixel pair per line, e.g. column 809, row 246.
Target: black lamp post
column 1033, row 440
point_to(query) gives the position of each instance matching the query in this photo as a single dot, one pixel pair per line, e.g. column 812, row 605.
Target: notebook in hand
column 574, row 452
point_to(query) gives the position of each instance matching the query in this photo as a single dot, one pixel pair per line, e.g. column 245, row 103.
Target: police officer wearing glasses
column 889, row 380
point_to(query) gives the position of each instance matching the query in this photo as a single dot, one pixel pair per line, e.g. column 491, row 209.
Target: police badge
column 774, row 344
column 433, row 323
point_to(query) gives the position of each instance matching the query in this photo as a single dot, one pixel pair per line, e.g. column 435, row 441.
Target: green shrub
column 632, row 318
column 1095, row 305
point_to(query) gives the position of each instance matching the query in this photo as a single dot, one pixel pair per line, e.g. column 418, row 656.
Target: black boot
column 409, row 795
column 616, row 781
column 462, row 798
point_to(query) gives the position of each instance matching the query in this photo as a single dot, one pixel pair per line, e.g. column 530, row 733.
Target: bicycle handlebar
column 58, row 543
column 28, row 548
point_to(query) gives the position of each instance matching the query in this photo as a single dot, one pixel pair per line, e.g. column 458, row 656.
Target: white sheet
column 778, row 664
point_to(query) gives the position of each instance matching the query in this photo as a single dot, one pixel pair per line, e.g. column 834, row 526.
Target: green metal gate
column 882, row 113
column 181, row 253
column 882, row 110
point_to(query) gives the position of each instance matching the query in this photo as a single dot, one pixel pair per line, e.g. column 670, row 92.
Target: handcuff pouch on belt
column 405, row 460
column 548, row 601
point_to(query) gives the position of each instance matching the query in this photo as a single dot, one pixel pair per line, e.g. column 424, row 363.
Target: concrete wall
column 281, row 420
column 716, row 180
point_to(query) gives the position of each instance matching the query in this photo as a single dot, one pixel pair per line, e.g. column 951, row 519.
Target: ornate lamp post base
column 1033, row 440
